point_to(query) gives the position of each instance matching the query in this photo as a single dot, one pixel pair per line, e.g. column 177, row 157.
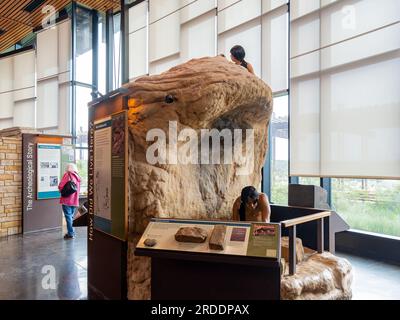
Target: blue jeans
column 69, row 212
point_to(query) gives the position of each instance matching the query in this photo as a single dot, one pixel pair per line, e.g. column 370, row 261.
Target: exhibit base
column 188, row 276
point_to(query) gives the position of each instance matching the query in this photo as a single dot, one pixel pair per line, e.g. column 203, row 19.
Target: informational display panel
column 109, row 175
column 241, row 239
column 102, row 173
column 48, row 170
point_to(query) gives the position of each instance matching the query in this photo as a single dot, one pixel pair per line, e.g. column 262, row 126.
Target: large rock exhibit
column 319, row 277
column 173, row 167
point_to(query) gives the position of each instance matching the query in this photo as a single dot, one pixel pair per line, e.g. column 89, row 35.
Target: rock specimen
column 150, row 242
column 217, row 239
column 191, row 234
column 320, row 277
column 187, row 101
column 285, row 249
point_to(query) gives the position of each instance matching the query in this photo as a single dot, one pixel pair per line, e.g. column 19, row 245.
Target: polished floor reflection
column 44, row 266
column 374, row 280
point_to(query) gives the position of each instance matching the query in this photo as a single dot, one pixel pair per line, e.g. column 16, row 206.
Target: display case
column 246, row 264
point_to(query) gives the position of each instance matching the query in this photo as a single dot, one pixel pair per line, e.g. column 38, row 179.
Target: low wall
column 10, row 185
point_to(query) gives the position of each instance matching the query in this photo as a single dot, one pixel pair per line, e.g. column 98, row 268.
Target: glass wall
column 279, row 151
column 368, row 205
column 102, row 50
column 117, row 52
column 81, row 156
column 84, row 50
column 310, row 181
column 83, row 86
column 86, row 82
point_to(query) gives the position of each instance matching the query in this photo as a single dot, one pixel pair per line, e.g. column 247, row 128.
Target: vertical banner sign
column 109, row 141
column 49, row 170
column 91, row 183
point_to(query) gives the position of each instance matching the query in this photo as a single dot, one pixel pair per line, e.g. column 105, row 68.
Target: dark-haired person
column 237, row 55
column 251, row 206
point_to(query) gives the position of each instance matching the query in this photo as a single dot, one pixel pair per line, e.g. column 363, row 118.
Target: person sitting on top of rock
column 251, row 206
column 237, row 55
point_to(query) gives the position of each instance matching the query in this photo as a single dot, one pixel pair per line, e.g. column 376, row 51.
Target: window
column 84, row 52
column 83, row 97
column 102, row 50
column 279, row 151
column 117, row 65
column 83, row 88
column 310, row 181
column 81, row 156
column 368, row 205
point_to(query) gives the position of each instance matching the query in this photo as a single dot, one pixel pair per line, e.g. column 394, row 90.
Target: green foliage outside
column 368, row 205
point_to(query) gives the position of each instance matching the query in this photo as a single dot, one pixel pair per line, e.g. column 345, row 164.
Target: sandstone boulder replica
column 183, row 163
column 202, row 94
column 319, row 277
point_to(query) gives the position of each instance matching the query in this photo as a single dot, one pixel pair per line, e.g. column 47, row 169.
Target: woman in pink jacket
column 70, row 203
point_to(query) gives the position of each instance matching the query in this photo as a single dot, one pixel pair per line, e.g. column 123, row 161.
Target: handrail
column 292, row 224
column 301, row 220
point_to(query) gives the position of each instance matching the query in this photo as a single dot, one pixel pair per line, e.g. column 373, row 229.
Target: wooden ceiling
column 18, row 23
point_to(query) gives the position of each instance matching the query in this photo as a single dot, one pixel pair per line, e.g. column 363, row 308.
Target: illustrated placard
column 49, row 170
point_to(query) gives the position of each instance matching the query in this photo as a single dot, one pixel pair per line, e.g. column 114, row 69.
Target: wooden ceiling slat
column 12, row 9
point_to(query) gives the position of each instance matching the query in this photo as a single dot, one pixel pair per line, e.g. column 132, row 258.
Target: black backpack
column 69, row 188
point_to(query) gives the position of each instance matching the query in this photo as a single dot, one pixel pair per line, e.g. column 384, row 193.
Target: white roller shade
column 160, row 8
column 7, row 76
column 345, row 97
column 247, row 35
column 47, row 103
column 47, row 52
column 24, row 114
column 164, row 37
column 275, row 49
column 138, row 40
column 198, row 37
column 64, row 47
column 237, row 14
column 193, row 9
column 17, row 88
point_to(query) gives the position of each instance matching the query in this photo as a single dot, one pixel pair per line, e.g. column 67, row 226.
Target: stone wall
column 10, row 185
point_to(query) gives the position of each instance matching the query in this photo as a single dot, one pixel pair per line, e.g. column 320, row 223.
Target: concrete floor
column 374, row 280
column 32, row 264
column 44, row 266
